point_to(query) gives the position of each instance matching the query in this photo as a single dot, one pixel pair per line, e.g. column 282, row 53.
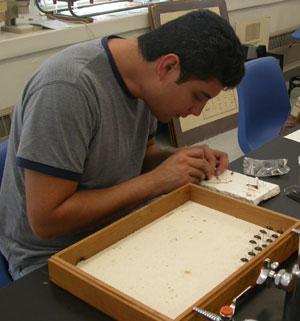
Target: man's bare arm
column 55, row 206
column 155, row 155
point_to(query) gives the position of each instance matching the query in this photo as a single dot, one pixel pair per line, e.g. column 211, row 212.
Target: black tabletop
column 34, row 297
column 279, row 148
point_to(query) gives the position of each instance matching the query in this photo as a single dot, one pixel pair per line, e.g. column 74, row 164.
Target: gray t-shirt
column 77, row 120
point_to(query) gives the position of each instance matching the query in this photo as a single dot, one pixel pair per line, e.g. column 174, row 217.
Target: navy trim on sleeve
column 48, row 170
column 114, row 67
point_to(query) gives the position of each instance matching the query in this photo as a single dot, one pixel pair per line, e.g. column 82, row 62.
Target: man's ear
column 168, row 65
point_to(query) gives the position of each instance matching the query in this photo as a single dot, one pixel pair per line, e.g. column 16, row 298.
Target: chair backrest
column 263, row 103
column 5, row 277
column 296, row 35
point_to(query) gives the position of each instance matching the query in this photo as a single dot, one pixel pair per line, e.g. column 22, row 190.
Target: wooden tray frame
column 63, row 270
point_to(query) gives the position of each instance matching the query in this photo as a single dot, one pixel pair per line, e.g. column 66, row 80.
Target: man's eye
column 199, row 97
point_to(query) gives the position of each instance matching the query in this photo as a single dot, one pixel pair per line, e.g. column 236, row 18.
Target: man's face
column 181, row 100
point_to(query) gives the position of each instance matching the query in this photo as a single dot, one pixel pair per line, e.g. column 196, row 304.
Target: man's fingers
column 197, row 175
column 210, row 162
column 195, row 152
column 222, row 162
column 210, row 157
column 202, row 165
column 207, row 154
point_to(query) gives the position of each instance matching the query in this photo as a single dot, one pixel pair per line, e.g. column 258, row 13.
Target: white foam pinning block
column 243, row 187
column 294, row 136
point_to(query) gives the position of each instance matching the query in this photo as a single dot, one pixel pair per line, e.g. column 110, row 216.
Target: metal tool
column 288, row 281
column 209, row 315
column 226, row 312
column 282, row 279
column 214, row 317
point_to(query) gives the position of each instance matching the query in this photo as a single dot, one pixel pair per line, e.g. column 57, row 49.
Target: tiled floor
column 226, row 141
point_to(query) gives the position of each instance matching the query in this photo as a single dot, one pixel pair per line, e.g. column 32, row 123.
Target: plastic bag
column 266, row 167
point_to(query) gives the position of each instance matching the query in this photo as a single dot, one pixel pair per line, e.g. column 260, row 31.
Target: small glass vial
column 295, row 111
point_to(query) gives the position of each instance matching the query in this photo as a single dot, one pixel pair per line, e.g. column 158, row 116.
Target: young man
column 82, row 151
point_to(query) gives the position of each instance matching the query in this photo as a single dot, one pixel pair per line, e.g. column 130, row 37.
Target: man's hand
column 217, row 159
column 190, row 165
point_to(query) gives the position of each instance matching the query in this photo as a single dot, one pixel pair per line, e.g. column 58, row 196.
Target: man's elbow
column 42, row 233
column 42, row 229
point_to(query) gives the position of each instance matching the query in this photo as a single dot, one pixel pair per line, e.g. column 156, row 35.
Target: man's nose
column 197, row 109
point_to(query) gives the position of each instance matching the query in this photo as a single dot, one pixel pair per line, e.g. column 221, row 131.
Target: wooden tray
column 63, row 269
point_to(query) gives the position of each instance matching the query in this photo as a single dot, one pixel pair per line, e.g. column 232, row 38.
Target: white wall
column 20, row 55
column 285, row 14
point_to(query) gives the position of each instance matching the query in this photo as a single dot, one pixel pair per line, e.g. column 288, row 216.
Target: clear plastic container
column 265, row 167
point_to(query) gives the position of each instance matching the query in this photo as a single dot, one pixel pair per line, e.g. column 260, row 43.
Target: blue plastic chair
column 264, row 103
column 5, row 277
column 296, row 35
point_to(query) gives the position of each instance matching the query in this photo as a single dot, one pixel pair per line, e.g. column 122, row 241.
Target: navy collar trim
column 113, row 65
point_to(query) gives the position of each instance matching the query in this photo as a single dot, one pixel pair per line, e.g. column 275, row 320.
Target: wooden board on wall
column 220, row 114
column 161, row 13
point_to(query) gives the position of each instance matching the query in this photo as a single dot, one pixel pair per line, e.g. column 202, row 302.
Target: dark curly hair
column 205, row 43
